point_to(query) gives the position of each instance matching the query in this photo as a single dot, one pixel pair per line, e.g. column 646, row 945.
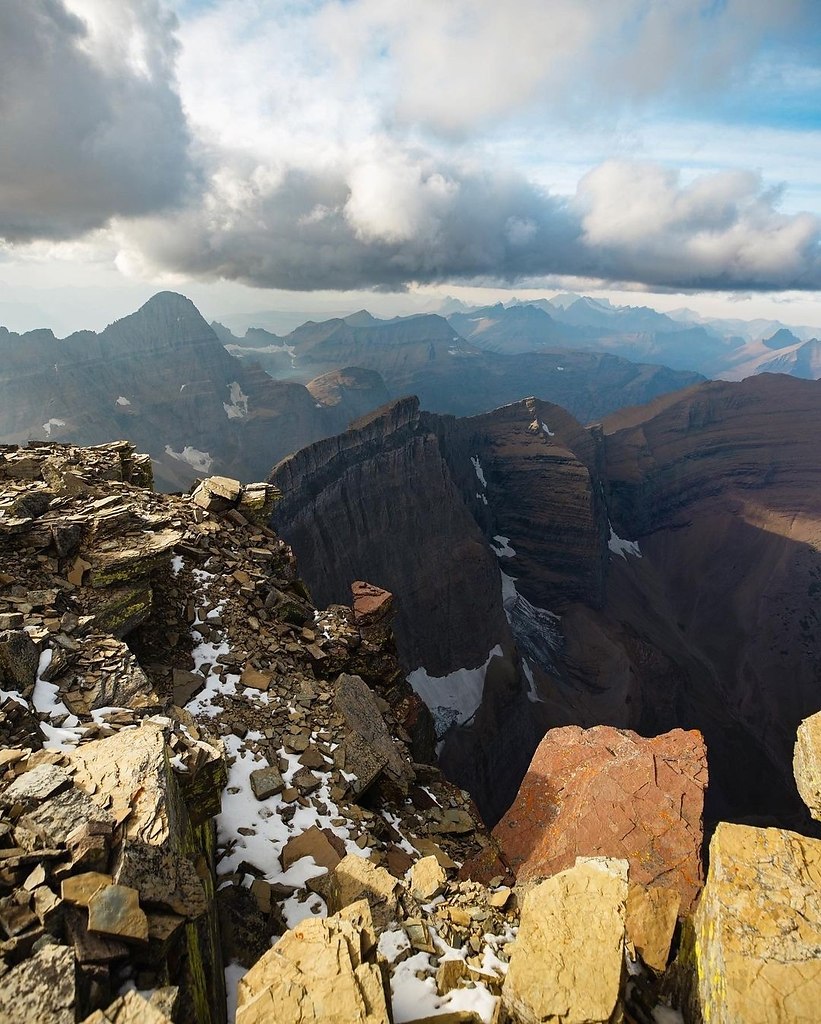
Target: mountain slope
column 162, row 378
column 660, row 571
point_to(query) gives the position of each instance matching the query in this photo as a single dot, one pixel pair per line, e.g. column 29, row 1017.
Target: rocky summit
column 220, row 802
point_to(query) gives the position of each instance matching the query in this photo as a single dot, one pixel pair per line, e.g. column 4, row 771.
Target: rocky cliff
column 483, row 527
column 162, row 378
column 195, row 759
column 658, row 572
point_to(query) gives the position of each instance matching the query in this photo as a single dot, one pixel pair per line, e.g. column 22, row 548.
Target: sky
column 328, row 155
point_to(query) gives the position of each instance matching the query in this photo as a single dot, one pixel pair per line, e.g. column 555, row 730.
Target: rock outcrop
column 758, row 928
column 807, row 763
column 568, row 960
column 606, row 792
column 318, row 972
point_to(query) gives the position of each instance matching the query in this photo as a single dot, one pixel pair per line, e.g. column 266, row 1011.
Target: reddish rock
column 370, row 603
column 487, row 866
column 609, row 792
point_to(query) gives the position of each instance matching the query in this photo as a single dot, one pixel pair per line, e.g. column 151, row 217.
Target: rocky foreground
column 219, row 802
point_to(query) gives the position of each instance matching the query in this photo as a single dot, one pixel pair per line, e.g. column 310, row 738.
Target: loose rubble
column 190, row 744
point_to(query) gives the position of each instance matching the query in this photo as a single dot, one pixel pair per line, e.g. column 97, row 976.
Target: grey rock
column 266, row 782
column 40, row 989
column 18, row 659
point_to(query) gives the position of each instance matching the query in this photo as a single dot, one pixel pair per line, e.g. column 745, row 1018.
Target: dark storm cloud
column 386, row 229
column 91, row 124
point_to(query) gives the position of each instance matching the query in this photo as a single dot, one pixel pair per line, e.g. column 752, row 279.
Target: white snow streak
column 623, row 547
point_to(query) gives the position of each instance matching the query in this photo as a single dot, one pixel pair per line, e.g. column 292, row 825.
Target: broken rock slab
column 758, row 928
column 611, row 793
column 114, row 911
column 354, row 879
column 130, row 772
column 567, row 962
column 357, row 703
column 651, row 921
column 807, row 763
column 316, row 974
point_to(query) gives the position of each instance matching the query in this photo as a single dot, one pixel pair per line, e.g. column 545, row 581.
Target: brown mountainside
column 704, row 616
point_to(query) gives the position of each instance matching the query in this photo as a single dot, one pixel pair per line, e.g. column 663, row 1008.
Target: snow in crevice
column 480, row 475
column 197, row 460
column 51, row 424
column 504, row 550
column 547, row 430
column 537, row 631
column 249, row 829
column 622, row 547
column 236, row 408
column 532, row 693
column 453, row 699
column 46, row 700
column 481, row 497
column 414, row 994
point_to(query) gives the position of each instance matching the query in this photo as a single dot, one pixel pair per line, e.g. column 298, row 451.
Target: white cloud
column 345, row 145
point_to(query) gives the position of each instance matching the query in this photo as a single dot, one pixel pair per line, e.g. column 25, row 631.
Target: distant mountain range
column 725, row 349
column 162, row 379
column 202, row 400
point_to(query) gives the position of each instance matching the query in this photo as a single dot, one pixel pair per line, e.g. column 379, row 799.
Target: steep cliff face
column 659, row 572
column 483, row 527
column 162, row 378
column 347, row 511
column 722, row 490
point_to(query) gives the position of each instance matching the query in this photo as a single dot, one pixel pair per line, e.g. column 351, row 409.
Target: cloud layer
column 92, row 125
column 346, row 145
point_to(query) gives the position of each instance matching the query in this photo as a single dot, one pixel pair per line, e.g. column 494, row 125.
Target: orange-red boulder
column 610, row 792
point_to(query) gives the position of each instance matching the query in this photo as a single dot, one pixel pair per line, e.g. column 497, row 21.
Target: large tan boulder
column 606, row 792
column 355, row 878
column 317, row 974
column 758, row 928
column 807, row 763
column 568, row 958
column 129, row 773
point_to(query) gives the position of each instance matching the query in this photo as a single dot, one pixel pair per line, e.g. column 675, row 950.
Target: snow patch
column 537, row 631
column 532, row 693
column 454, row 698
column 236, row 408
column 414, row 993
column 622, row 547
column 233, row 973
column 481, row 497
column 547, row 430
column 504, row 550
column 197, row 460
column 52, row 423
column 122, row 400
column 479, row 471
